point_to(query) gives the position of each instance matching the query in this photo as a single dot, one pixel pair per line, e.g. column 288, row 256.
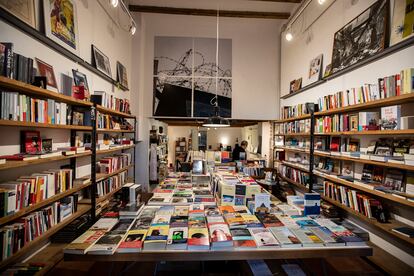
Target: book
column 368, row 121
column 390, row 117
column 107, row 244
column 307, row 237
column 264, row 238
column 31, row 141
column 241, row 234
column 394, row 180
column 405, row 231
column 220, row 236
column 198, row 238
column 327, row 236
column 251, row 221
column 244, row 244
column 133, row 241
column 130, row 210
column 234, row 220
column 84, row 242
column 269, row 220
column 19, row 157
column 177, row 238
column 312, row 203
column 156, row 238
column 285, row 237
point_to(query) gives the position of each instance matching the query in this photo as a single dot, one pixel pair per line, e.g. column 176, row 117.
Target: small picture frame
column 121, row 74
column 101, row 61
column 295, row 85
column 80, row 79
column 46, row 70
column 328, row 70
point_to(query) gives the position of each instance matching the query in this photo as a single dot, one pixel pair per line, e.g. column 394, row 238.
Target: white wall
column 255, row 49
column 105, row 28
column 227, row 136
column 297, row 54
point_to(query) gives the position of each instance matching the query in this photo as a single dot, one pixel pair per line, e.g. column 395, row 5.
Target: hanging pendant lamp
column 216, row 120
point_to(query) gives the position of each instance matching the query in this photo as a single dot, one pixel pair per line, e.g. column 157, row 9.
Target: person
column 238, row 149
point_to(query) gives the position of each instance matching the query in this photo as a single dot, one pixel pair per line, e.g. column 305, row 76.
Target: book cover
column 219, row 233
column 157, row 233
column 31, row 142
column 390, row 117
column 285, row 237
column 198, row 237
column 269, row 220
column 263, row 237
column 133, row 241
column 177, row 235
column 240, row 234
column 251, row 221
column 393, row 180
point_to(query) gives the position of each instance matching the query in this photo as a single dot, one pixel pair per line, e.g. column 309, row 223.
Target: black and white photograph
column 187, row 78
column 101, row 61
column 80, row 79
column 121, row 74
column 363, row 37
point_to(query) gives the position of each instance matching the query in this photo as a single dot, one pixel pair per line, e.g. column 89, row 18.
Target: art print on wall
column 61, row 23
column 101, row 61
column 121, row 74
column 186, row 76
column 402, row 26
column 25, row 10
column 47, row 71
column 363, row 37
column 315, row 69
column 80, row 79
column 295, row 85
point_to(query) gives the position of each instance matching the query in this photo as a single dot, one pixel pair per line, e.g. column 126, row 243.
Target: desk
column 229, row 255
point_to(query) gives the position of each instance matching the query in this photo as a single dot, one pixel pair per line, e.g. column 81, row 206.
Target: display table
column 217, row 255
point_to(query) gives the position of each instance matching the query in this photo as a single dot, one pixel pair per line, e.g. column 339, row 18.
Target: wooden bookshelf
column 369, row 105
column 102, row 109
column 108, row 195
column 297, row 118
column 103, row 176
column 364, row 161
column 107, row 130
column 28, row 89
column 114, row 149
column 294, row 150
column 43, row 203
column 82, row 209
column 366, row 190
column 42, row 125
column 295, row 166
column 18, row 164
column 370, row 132
column 294, row 134
column 384, row 227
column 301, row 187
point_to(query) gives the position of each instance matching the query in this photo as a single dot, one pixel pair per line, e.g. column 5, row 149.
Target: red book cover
column 245, row 244
column 398, row 85
column 31, row 141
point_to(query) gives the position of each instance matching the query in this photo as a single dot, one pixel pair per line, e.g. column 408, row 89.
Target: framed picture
column 315, row 69
column 25, row 10
column 295, row 85
column 363, row 37
column 121, row 75
column 46, row 70
column 80, row 79
column 101, row 61
column 328, row 70
column 402, row 26
column 61, row 23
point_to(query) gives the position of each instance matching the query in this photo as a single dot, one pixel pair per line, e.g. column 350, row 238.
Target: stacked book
column 111, row 164
column 110, row 101
column 111, row 183
column 299, row 126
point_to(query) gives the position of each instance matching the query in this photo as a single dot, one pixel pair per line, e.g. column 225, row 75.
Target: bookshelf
column 389, row 199
column 40, row 93
column 82, row 210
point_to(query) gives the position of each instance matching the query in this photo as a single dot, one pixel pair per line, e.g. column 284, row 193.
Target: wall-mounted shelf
column 107, row 130
column 40, row 37
column 43, row 203
column 114, row 112
column 384, row 53
column 370, row 132
column 295, row 166
column 114, row 149
column 41, row 125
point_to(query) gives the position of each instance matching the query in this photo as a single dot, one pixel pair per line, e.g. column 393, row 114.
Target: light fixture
column 216, row 120
column 114, row 3
column 133, row 29
column 289, row 36
column 321, row 2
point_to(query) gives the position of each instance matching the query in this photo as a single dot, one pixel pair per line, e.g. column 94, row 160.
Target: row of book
column 106, row 121
column 110, row 101
column 387, row 87
column 200, row 227
column 114, row 163
column 15, row 236
column 298, row 110
column 110, row 184
column 30, row 190
column 15, row 66
column 299, row 126
column 23, row 108
column 351, row 198
column 295, row 175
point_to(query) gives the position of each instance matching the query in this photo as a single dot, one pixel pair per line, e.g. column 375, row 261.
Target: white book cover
column 263, row 237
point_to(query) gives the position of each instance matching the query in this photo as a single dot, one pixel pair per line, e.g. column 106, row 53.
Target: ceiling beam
column 208, row 12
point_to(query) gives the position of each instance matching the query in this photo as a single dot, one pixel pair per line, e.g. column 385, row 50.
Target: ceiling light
column 114, row 3
column 321, row 2
column 133, row 29
column 289, row 36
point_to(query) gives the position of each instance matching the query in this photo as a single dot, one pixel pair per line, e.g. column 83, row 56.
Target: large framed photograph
column 402, row 26
column 25, row 10
column 315, row 69
column 47, row 71
column 61, row 23
column 101, row 61
column 361, row 38
column 80, row 79
column 121, row 74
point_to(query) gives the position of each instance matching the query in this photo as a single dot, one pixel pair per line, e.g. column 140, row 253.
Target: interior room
column 208, row 137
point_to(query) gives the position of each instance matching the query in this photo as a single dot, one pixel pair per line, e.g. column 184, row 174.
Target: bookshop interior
column 209, row 137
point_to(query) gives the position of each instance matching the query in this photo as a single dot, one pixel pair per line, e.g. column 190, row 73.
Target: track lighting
column 133, row 29
column 321, row 2
column 114, row 3
column 289, row 36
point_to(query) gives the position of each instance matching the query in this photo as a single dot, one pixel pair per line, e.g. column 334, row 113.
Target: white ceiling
column 235, row 5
